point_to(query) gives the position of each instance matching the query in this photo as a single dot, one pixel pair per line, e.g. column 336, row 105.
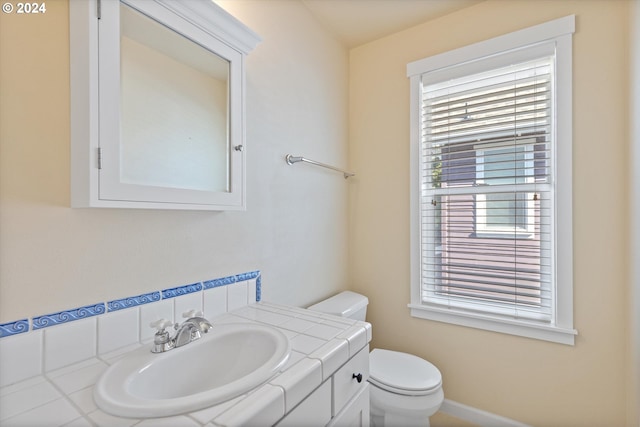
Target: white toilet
column 405, row 389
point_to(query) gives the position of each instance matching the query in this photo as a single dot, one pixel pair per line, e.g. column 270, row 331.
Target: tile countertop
column 320, row 343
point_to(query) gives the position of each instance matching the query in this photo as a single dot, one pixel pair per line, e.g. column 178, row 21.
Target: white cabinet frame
column 94, row 118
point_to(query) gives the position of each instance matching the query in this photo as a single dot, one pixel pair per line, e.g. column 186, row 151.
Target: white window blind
column 487, row 197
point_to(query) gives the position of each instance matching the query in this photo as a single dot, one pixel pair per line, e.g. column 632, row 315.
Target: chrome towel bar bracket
column 295, row 159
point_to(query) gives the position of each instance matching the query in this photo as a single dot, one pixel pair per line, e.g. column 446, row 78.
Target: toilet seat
column 403, row 373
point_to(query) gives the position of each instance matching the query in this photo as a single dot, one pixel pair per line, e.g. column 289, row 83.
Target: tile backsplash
column 31, row 347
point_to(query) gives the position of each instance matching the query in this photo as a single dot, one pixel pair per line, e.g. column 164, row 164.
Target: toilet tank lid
column 343, row 304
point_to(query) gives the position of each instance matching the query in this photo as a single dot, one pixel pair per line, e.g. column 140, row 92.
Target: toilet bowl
column 405, row 389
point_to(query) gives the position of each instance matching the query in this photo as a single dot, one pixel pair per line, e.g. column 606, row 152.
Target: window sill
column 487, row 322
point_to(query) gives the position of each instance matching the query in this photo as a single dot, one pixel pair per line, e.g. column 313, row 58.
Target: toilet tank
column 345, row 304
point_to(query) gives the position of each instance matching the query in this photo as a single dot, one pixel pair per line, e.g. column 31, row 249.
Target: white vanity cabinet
column 341, row 400
column 157, row 105
column 317, row 387
column 316, row 409
column 350, row 397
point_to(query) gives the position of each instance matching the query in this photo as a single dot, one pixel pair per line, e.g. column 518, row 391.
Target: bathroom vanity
column 323, row 382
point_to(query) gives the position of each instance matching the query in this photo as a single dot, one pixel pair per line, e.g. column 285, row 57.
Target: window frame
column 557, row 35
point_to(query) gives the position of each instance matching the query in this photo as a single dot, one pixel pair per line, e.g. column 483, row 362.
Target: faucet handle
column 162, row 340
column 160, row 324
column 192, row 313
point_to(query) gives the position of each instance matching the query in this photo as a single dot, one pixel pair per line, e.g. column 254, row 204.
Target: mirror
column 157, row 105
column 174, row 108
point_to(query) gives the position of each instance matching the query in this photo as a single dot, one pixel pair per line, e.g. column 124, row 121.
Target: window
column 499, row 214
column 491, row 184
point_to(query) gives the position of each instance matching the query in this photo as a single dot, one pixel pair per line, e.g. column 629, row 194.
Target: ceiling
column 356, row 22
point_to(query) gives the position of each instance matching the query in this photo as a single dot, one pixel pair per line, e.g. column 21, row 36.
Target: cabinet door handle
column 358, row 377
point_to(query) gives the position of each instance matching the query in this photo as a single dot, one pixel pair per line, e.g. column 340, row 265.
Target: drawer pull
column 358, row 377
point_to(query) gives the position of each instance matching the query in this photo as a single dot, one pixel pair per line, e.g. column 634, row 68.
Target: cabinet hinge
column 99, row 10
column 99, row 158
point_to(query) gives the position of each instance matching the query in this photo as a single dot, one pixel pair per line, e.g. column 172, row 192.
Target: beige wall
column 634, row 162
column 53, row 257
column 535, row 382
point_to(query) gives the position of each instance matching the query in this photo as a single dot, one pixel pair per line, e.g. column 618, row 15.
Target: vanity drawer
column 345, row 381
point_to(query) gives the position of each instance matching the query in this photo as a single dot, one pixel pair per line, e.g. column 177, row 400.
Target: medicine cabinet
column 157, row 105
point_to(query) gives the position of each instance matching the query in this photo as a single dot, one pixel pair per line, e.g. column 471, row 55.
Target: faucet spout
column 201, row 323
column 186, row 333
column 190, row 330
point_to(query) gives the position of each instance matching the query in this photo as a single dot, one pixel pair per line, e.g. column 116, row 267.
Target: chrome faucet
column 190, row 330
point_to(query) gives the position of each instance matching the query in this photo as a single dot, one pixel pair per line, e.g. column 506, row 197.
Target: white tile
column 102, row 419
column 21, row 385
column 305, row 344
column 208, row 414
column 79, row 422
column 254, row 313
column 152, row 312
column 369, row 330
column 85, row 376
column 72, row 368
column 357, row 337
column 179, row 421
column 83, row 399
column 298, row 325
column 294, row 357
column 252, row 291
column 56, row 413
column 214, row 301
column 336, row 324
column 263, row 407
column 237, row 295
column 312, row 316
column 184, row 303
column 345, row 321
column 299, row 311
column 69, row 343
column 316, row 410
column 230, row 318
column 21, row 357
column 325, row 332
column 289, row 334
column 264, row 305
column 118, row 329
column 332, row 355
column 27, row 399
column 118, row 354
column 299, row 381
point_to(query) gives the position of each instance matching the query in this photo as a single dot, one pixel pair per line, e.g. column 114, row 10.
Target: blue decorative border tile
column 224, row 281
column 68, row 316
column 258, row 288
column 181, row 290
column 14, row 328
column 22, row 326
column 119, row 304
column 247, row 276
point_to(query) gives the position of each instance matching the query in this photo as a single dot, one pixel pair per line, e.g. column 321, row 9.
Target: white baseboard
column 477, row 416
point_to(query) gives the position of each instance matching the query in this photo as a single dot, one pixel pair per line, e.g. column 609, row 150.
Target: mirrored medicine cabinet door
column 167, row 125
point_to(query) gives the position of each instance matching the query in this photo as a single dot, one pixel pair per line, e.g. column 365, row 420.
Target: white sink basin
column 228, row 361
